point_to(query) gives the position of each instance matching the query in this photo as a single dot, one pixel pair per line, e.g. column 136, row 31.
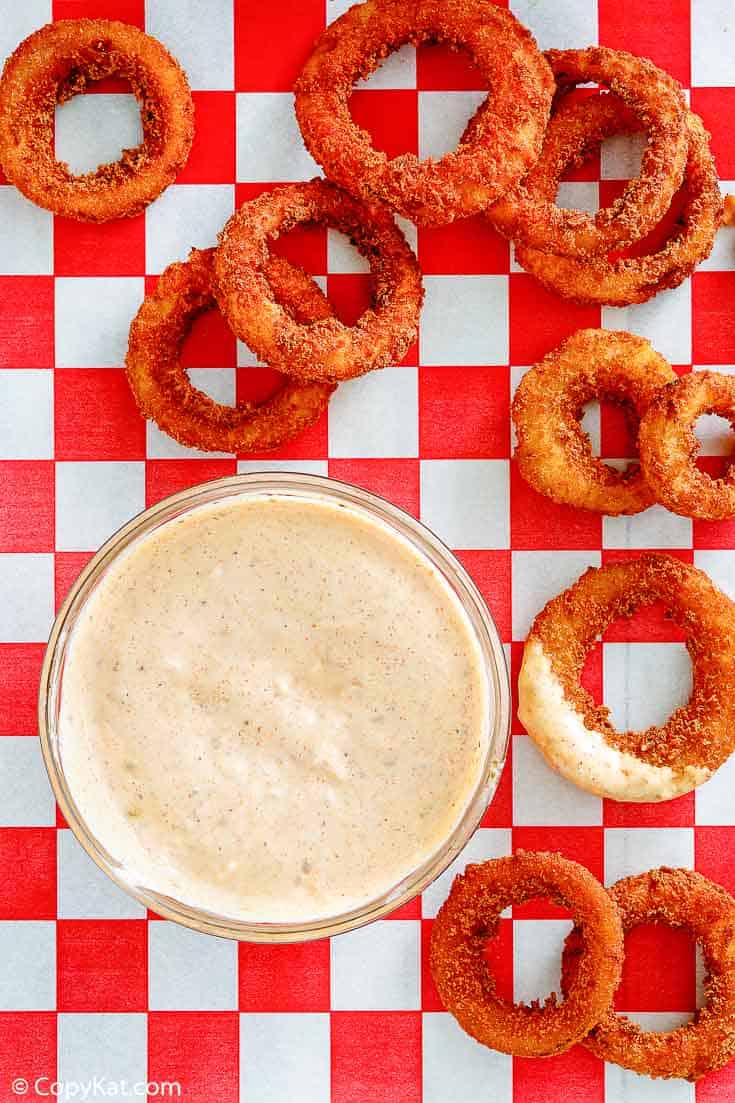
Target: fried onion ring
column 163, row 390
column 509, row 126
column 677, row 898
column 528, row 213
column 553, row 451
column 577, row 737
column 325, row 349
column 57, row 62
column 669, row 447
column 470, row 916
column 573, row 132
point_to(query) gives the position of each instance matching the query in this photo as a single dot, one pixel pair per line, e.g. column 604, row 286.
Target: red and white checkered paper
column 90, row 984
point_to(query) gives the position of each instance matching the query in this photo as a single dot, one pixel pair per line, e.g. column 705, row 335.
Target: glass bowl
column 307, row 488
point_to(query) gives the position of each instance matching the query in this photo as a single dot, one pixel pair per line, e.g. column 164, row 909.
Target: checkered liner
column 90, row 984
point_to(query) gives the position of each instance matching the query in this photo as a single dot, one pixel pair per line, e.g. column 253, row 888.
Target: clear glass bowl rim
column 313, row 487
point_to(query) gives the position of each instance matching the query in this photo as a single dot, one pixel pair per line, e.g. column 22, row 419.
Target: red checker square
column 649, row 624
column 164, row 477
column 350, row 296
column 27, row 322
column 198, row 1050
column 442, row 67
column 28, row 873
column 463, row 413
column 538, row 524
column 658, row 30
column 713, row 317
column 210, row 343
column 717, row 108
column 396, row 480
column 114, row 248
column 95, row 416
column 102, row 965
column 498, row 954
column 713, row 534
column 467, row 247
column 618, row 435
column 716, row 1087
column 60, row 821
column 212, row 157
column 585, row 845
column 27, row 494
column 499, row 813
column 575, row 1075
column 411, row 910
column 655, row 240
column 128, row 11
column 292, row 977
column 390, row 116
column 491, row 573
column 266, row 58
column 376, row 1056
column 305, row 245
column 20, row 667
column 659, row 972
column 667, row 813
column 540, row 320
column 713, row 856
column 67, row 567
column 29, row 1048
column 258, row 384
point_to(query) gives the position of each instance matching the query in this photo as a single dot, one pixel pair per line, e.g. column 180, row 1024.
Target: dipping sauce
column 274, row 709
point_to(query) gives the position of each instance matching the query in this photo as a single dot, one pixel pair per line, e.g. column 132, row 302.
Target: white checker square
column 467, row 502
column 542, row 796
column 540, row 575
column 26, row 799
column 486, row 843
column 200, row 35
column 713, row 432
column 189, row 971
column 93, row 500
column 465, row 320
column 284, row 1056
column 620, row 156
column 563, row 25
column 26, row 414
column 713, row 43
column 376, row 415
column 579, row 195
column 665, row 321
column 713, row 801
column 26, row 597
column 113, row 1046
column 93, row 315
column 185, row 217
column 377, row 967
column 94, row 130
column 722, row 257
column 85, row 892
column 304, row 467
column 537, row 952
column 398, row 70
column 624, row 1086
column 653, row 528
column 632, row 850
column 246, row 358
column 27, row 966
column 645, row 682
column 720, row 566
column 457, row 1069
column 443, row 118
column 219, row 384
column 19, row 20
column 29, row 249
column 283, row 156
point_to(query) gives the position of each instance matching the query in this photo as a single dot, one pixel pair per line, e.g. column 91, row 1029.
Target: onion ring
column 573, row 130
column 669, row 447
column 553, row 451
column 470, row 916
column 163, row 390
column 577, row 737
column 326, row 349
column 531, row 217
column 678, row 898
column 57, row 62
column 508, row 130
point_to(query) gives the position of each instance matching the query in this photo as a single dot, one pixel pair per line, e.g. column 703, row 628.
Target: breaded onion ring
column 325, row 349
column 669, row 447
column 469, row 917
column 574, row 131
column 677, row 898
column 553, row 451
column 530, row 216
column 163, row 390
column 508, row 130
column 577, row 737
column 57, row 62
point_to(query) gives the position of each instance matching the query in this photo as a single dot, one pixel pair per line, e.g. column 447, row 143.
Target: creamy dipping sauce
column 273, row 709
